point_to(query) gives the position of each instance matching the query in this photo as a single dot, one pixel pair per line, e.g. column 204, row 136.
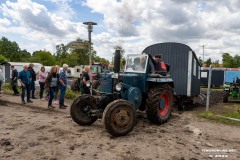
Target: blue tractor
column 140, row 86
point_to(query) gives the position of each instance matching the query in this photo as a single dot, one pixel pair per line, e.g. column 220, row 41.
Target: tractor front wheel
column 81, row 108
column 159, row 103
column 119, row 117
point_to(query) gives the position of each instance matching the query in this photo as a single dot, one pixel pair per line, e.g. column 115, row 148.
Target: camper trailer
column 78, row 70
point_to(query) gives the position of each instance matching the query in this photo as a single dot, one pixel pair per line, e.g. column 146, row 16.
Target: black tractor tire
column 159, row 103
column 225, row 96
column 119, row 118
column 80, row 110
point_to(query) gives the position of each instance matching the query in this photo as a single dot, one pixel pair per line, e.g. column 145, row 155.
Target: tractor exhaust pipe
column 117, row 60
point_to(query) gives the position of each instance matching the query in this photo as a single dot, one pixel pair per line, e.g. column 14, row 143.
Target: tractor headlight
column 88, row 83
column 118, row 87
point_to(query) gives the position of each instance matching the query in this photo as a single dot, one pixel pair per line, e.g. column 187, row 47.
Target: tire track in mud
column 53, row 135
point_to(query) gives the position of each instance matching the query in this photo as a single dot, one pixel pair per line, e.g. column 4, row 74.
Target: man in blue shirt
column 24, row 79
column 63, row 86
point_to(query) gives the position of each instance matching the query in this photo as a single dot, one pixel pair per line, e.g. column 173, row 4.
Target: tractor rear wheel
column 225, row 96
column 119, row 117
column 81, row 108
column 159, row 103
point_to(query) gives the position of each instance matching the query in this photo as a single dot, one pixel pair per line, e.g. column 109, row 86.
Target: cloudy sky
column 133, row 24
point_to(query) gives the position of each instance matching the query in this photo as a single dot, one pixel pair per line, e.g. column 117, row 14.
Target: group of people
column 52, row 82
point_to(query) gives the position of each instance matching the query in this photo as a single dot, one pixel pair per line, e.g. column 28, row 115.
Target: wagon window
column 204, row 74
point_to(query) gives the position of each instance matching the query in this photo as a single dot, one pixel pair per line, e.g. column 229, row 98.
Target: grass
column 70, row 94
column 226, row 110
column 7, row 88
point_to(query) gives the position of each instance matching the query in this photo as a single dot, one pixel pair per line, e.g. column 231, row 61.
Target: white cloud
column 4, row 21
column 35, row 23
column 215, row 23
column 132, row 24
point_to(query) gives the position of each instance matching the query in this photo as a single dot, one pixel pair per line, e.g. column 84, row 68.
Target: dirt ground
column 37, row 133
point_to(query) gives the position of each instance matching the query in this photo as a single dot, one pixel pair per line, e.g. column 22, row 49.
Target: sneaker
column 42, row 99
column 23, row 102
column 62, row 107
column 34, row 98
column 29, row 101
column 56, row 102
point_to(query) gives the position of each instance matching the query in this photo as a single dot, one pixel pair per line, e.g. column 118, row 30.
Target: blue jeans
column 62, row 92
column 27, row 87
column 51, row 93
column 33, row 88
column 56, row 93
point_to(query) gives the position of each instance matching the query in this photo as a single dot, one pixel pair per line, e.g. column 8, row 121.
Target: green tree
column 62, row 52
column 208, row 62
column 11, row 51
column 227, row 60
column 236, row 61
column 102, row 60
column 216, row 64
column 71, row 56
column 3, row 59
column 44, row 57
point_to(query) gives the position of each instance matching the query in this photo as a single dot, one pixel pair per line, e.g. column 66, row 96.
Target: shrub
column 70, row 94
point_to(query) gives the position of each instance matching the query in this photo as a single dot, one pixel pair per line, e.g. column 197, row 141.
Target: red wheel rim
column 164, row 104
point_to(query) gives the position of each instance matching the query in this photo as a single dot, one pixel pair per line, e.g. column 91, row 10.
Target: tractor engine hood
column 131, row 79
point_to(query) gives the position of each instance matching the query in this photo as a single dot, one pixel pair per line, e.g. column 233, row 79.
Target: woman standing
column 56, row 101
column 42, row 80
column 52, row 84
column 1, row 78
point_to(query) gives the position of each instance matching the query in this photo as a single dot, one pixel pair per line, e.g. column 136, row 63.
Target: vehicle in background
column 231, row 91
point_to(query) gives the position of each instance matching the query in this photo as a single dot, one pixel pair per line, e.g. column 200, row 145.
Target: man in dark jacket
column 33, row 79
column 85, row 78
column 14, row 81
